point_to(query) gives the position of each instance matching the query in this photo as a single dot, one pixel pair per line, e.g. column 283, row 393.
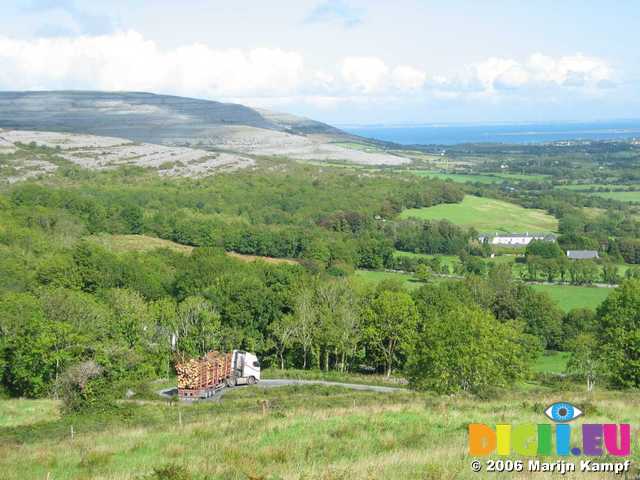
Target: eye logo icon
column 562, row 412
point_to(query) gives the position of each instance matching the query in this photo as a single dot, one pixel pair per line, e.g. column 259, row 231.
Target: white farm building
column 516, row 239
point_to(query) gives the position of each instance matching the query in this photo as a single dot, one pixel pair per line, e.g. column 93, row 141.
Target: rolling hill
column 139, row 116
column 167, row 120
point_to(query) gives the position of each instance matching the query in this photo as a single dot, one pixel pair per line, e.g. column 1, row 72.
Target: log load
column 209, row 371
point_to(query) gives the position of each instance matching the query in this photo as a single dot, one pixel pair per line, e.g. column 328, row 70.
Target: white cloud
column 500, row 73
column 272, row 76
column 540, row 71
column 566, row 70
column 365, row 74
column 406, row 77
column 127, row 61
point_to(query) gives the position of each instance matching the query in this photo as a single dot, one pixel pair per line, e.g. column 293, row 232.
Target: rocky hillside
column 146, row 118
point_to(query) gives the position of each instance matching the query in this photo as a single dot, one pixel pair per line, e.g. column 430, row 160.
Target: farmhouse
column 582, row 254
column 516, row 239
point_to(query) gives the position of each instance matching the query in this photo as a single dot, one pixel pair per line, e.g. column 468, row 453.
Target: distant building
column 516, row 239
column 582, row 254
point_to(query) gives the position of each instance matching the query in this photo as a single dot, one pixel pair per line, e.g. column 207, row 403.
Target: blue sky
column 340, row 61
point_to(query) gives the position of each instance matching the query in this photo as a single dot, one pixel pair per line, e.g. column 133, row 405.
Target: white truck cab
column 246, row 368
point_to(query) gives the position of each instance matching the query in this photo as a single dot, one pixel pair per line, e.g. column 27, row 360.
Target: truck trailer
column 200, row 378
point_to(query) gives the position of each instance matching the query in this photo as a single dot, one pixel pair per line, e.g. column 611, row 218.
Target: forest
column 67, row 300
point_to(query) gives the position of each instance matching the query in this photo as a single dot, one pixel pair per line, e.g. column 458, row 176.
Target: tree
column 423, row 273
column 618, row 333
column 342, row 306
column 198, row 326
column 576, row 322
column 391, row 326
column 33, row 348
column 306, row 319
column 74, row 386
column 610, row 273
column 467, row 349
column 534, row 265
column 541, row 315
column 133, row 217
column 283, row 331
column 132, row 320
column 584, row 361
column 549, row 267
column 543, row 249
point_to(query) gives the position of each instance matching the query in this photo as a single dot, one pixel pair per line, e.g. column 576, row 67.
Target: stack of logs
column 208, row 371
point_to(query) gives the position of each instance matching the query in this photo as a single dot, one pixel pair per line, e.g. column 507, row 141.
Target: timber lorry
column 202, row 377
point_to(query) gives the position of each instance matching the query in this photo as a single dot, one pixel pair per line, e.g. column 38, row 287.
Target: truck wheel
column 231, row 382
column 251, row 380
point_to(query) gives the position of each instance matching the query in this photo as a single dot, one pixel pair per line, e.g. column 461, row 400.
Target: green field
column 620, row 196
column 522, row 176
column 309, row 432
column 487, row 215
column 551, row 362
column 376, row 276
column 450, row 260
column 136, row 243
column 595, row 186
column 476, row 177
column 571, row 296
column 455, row 177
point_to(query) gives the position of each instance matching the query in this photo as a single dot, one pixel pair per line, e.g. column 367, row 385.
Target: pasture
column 136, row 243
column 573, row 296
column 477, row 177
column 451, row 260
column 487, row 215
column 144, row 243
column 310, row 432
column 551, row 362
column 376, row 276
column 631, row 197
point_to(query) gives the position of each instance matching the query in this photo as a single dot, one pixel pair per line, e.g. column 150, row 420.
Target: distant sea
column 450, row 134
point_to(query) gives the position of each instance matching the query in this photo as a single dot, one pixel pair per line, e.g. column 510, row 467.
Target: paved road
column 269, row 383
column 283, row 382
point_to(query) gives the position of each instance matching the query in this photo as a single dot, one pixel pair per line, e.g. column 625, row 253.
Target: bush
column 76, row 388
column 468, row 350
column 170, row 472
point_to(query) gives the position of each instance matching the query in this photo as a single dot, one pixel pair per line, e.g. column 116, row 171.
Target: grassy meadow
column 633, row 197
column 487, row 215
column 573, row 296
column 310, row 432
column 137, row 243
column 477, row 177
column 377, row 276
column 551, row 362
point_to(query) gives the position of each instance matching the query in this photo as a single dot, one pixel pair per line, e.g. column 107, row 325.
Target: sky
column 340, row 61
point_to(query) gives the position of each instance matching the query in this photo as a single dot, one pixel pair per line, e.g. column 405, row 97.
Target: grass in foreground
column 306, row 432
column 487, row 215
column 572, row 296
column 18, row 411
